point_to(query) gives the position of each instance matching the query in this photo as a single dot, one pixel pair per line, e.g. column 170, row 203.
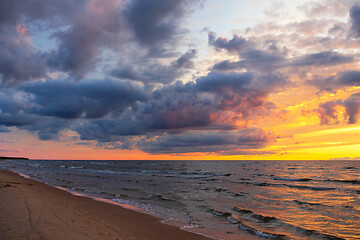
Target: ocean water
column 221, row 199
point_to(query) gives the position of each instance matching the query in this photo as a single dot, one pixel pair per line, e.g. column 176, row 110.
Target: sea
column 220, row 199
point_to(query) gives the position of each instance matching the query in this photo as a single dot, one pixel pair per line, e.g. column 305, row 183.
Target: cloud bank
column 127, row 74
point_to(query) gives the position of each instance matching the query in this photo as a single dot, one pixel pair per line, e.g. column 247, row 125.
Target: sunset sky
column 180, row 79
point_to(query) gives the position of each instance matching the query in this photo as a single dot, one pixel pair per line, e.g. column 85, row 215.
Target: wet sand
column 33, row 210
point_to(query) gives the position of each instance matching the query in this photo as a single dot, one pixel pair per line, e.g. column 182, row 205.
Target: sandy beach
column 34, row 210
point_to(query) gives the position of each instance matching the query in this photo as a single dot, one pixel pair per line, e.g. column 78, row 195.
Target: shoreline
column 41, row 211
column 13, row 158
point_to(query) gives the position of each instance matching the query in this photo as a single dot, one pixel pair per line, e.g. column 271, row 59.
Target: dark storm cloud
column 207, row 141
column 355, row 20
column 159, row 73
column 17, row 120
column 213, row 102
column 338, row 81
column 12, row 106
column 9, row 103
column 170, row 109
column 47, row 128
column 156, row 22
column 13, row 113
column 88, row 99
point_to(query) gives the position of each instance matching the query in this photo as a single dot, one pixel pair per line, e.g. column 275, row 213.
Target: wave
column 294, row 179
column 245, row 227
column 220, row 213
column 232, row 220
column 308, row 203
column 72, row 167
column 263, row 184
column 150, row 171
column 258, row 217
column 159, row 197
column 287, row 226
column 314, row 188
column 229, row 193
column 259, row 233
column 301, row 187
column 351, row 167
column 355, row 182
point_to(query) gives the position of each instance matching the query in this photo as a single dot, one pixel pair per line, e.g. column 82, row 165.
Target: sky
column 180, row 79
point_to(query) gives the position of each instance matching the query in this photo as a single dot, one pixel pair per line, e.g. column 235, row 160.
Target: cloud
column 234, row 45
column 328, row 112
column 352, row 106
column 331, row 112
column 145, row 103
column 322, row 59
column 47, row 128
column 87, row 99
column 10, row 101
column 18, row 120
column 13, row 11
column 217, row 82
column 171, row 108
column 48, row 107
column 218, row 101
column 83, row 30
column 261, row 60
column 156, row 23
column 355, row 20
column 19, row 61
column 264, row 55
column 251, row 56
column 12, row 106
column 158, row 73
column 4, row 129
column 338, row 81
column 97, row 25
column 207, row 141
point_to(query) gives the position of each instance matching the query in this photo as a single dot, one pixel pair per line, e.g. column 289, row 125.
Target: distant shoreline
column 14, row 158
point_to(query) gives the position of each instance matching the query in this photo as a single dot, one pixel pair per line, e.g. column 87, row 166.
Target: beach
column 34, row 210
column 227, row 200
